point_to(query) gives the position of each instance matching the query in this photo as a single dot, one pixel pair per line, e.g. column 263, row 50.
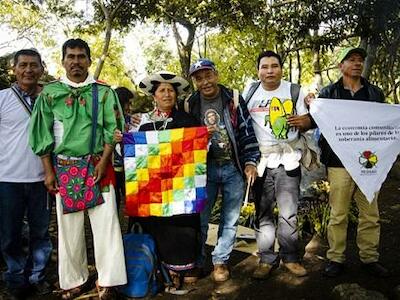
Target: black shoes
column 42, row 288
column 376, row 269
column 333, row 269
column 39, row 289
column 18, row 293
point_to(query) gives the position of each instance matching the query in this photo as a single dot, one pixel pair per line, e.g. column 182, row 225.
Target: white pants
column 107, row 240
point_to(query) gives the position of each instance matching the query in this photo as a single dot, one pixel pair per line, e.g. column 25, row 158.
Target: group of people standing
column 61, row 138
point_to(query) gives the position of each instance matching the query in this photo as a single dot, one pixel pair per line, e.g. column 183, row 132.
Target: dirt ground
column 282, row 285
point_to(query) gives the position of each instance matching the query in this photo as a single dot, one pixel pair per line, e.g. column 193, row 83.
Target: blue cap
column 201, row 64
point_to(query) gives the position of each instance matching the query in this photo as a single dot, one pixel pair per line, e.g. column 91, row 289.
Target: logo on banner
column 368, row 159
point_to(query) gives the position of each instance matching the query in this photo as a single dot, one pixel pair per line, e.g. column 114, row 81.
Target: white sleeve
column 145, row 118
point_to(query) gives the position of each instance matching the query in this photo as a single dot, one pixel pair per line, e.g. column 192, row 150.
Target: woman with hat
column 165, row 87
column 176, row 237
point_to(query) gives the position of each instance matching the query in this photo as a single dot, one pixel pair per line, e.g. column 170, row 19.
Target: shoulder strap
column 253, row 87
column 22, row 100
column 294, row 92
column 186, row 104
column 95, row 108
column 235, row 98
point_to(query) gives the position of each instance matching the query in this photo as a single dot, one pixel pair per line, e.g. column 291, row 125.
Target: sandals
column 176, row 279
column 105, row 293
column 71, row 293
column 193, row 275
column 175, row 287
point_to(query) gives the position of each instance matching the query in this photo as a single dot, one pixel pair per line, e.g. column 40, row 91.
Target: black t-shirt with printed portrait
column 212, row 115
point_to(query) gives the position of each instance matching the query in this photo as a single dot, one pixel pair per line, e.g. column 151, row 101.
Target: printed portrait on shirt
column 219, row 142
column 211, row 118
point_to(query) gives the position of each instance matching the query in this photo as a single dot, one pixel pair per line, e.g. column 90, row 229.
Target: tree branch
column 108, row 31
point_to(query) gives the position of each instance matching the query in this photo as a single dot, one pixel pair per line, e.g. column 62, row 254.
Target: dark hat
column 147, row 84
column 201, row 64
column 346, row 52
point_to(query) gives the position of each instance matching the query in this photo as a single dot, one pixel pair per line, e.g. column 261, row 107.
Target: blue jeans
column 228, row 178
column 16, row 201
column 280, row 187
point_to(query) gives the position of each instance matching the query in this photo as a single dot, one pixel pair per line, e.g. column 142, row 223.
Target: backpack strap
column 186, row 104
column 235, row 98
column 294, row 92
column 253, row 87
column 95, row 107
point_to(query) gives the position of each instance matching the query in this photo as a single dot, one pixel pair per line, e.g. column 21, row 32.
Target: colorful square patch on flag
column 165, row 171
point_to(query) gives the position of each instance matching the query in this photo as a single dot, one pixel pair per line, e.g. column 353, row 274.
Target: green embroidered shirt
column 70, row 110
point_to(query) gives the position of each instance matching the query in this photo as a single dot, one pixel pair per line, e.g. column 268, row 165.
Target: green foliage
column 305, row 32
column 32, row 22
column 314, row 211
column 385, row 33
column 6, row 77
column 211, row 13
column 234, row 52
column 247, row 215
column 114, row 70
column 190, row 15
column 159, row 57
column 246, row 218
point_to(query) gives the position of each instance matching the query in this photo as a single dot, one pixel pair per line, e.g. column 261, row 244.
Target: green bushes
column 313, row 215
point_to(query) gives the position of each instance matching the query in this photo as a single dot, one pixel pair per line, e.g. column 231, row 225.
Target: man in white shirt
column 22, row 191
column 271, row 101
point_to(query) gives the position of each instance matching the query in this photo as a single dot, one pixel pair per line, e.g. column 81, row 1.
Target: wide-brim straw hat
column 147, row 84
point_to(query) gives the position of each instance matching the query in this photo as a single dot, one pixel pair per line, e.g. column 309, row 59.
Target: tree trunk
column 184, row 49
column 317, row 67
column 299, row 65
column 104, row 53
column 392, row 70
column 109, row 16
column 205, row 42
column 371, row 47
column 290, row 68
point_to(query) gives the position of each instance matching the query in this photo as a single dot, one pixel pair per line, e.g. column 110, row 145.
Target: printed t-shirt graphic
column 220, row 148
column 269, row 109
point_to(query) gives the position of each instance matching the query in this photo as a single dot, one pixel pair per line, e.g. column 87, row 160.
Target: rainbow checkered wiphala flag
column 165, row 171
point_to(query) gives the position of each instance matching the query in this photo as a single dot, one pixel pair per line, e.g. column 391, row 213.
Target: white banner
column 364, row 135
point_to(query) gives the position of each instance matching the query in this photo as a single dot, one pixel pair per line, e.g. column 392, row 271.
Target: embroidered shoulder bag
column 77, row 186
